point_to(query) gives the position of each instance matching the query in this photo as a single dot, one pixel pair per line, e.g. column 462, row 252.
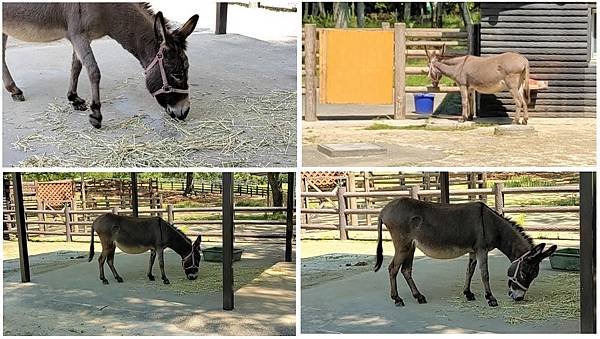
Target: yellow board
column 356, row 66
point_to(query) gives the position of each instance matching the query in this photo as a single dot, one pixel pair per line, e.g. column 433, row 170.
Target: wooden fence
column 498, row 191
column 78, row 222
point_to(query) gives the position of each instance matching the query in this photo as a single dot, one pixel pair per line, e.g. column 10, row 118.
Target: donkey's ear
column 197, row 242
column 160, row 29
column 187, row 28
column 548, row 252
column 536, row 251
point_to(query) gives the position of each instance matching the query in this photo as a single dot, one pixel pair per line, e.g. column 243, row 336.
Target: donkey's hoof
column 119, row 279
column 104, row 281
column 18, row 97
column 469, row 295
column 493, row 302
column 524, row 121
column 421, row 299
column 150, row 277
column 166, row 281
column 398, row 301
column 97, row 123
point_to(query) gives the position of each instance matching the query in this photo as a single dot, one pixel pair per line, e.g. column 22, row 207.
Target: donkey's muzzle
column 192, row 276
column 179, row 110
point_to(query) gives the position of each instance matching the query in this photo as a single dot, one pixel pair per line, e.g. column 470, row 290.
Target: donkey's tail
column 379, row 245
column 91, row 245
column 526, row 91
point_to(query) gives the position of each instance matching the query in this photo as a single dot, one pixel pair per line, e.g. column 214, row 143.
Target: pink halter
column 166, row 88
column 513, row 278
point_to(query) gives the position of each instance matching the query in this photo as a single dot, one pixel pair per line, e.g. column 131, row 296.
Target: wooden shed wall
column 554, row 38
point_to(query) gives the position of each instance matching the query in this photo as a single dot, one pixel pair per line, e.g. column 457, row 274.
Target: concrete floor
column 65, row 297
column 353, row 299
column 227, row 72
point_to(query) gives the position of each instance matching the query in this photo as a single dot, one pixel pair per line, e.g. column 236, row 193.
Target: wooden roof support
column 228, row 226
column 21, row 227
column 587, row 251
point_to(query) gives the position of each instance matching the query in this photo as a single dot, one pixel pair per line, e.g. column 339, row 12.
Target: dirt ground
column 410, row 145
column 243, row 108
column 65, row 296
column 341, row 294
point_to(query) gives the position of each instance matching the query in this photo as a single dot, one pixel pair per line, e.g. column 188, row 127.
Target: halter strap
column 194, row 265
column 158, row 60
column 513, row 278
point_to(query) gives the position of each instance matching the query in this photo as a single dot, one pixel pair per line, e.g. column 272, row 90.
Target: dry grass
column 248, row 130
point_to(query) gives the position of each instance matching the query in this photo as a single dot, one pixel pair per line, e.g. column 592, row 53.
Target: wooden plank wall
column 554, row 38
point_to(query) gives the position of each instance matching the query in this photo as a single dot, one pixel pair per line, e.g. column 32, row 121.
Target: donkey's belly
column 32, row 33
column 441, row 253
column 491, row 89
column 132, row 249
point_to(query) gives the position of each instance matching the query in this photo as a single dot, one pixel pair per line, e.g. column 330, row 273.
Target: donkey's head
column 523, row 270
column 433, row 72
column 167, row 74
column 191, row 262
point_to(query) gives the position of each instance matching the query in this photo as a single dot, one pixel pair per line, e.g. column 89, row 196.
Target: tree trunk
column 276, row 189
column 340, row 14
column 439, row 12
column 407, row 12
column 189, row 184
column 318, row 9
column 305, row 10
column 466, row 15
column 360, row 14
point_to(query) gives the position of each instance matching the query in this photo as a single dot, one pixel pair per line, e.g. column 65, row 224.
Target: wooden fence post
column 68, row 223
column 499, row 197
column 342, row 212
column 367, row 183
column 221, row 20
column 399, row 71
column 170, row 215
column 310, row 77
column 414, row 192
column 351, row 187
column 115, row 210
column 289, row 216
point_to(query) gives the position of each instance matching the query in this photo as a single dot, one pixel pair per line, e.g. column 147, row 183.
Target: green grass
column 379, row 126
column 250, row 203
column 238, row 216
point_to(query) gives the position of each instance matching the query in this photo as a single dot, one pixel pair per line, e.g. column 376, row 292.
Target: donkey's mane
column 515, row 226
column 179, row 232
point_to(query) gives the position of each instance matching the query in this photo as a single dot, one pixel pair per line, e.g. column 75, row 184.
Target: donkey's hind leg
column 393, row 269
column 111, row 264
column 78, row 103
column 152, row 257
column 9, row 83
column 407, row 273
column 470, row 270
column 101, row 260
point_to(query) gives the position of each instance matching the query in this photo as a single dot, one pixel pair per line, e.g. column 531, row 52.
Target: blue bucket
column 424, row 103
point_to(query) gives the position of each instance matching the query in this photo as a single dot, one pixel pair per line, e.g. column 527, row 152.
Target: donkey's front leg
column 161, row 263
column 464, row 98
column 84, row 52
column 152, row 257
column 482, row 257
column 470, row 270
column 78, row 103
column 9, row 83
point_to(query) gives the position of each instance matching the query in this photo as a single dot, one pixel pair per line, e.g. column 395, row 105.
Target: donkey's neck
column 179, row 242
column 512, row 242
column 451, row 67
column 135, row 32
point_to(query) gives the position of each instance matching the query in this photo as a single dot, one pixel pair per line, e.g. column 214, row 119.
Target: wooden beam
column 399, row 69
column 587, row 258
column 289, row 227
column 134, row 195
column 310, row 60
column 228, row 300
column 21, row 227
column 221, row 24
column 444, row 188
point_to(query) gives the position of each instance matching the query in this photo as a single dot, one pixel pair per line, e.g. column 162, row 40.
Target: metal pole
column 289, row 228
column 221, row 25
column 134, row 194
column 228, row 241
column 21, row 227
column 587, row 258
column 444, row 187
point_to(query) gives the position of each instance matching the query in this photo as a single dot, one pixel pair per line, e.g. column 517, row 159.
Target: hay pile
column 552, row 297
column 243, row 130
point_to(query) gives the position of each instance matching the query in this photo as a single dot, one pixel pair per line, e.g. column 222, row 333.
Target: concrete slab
column 354, row 299
column 67, row 298
column 448, row 125
column 515, row 130
column 243, row 108
column 351, row 150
